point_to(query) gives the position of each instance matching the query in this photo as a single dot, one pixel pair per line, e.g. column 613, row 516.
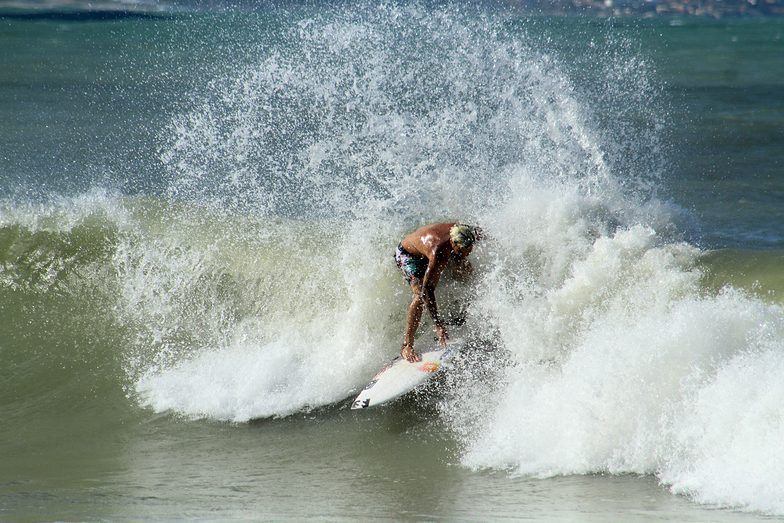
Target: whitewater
column 257, row 282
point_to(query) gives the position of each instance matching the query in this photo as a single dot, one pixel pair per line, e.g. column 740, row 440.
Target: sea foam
column 355, row 127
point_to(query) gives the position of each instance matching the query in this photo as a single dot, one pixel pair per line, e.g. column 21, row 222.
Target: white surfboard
column 400, row 377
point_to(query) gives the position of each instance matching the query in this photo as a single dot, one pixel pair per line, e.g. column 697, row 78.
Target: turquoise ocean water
column 198, row 209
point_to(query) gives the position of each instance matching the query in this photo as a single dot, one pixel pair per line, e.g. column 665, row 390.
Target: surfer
column 422, row 256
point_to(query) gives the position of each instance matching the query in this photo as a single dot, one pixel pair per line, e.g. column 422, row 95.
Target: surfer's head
column 463, row 237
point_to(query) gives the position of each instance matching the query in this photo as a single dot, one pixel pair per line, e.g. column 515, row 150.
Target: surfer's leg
column 412, row 321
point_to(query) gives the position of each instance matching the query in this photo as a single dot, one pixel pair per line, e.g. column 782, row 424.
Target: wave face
column 259, row 282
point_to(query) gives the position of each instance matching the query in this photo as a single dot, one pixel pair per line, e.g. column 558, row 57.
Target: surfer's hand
column 442, row 335
column 410, row 354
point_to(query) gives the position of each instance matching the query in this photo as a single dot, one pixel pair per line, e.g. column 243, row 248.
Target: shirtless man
column 422, row 256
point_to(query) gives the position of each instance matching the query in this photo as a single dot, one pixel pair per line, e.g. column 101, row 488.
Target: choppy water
column 197, row 221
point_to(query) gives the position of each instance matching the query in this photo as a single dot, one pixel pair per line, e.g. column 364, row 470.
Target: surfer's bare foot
column 410, row 354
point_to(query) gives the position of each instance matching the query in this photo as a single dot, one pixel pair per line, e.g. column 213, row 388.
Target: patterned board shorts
column 411, row 266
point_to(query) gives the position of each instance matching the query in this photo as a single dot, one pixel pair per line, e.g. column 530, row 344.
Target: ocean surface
column 198, row 211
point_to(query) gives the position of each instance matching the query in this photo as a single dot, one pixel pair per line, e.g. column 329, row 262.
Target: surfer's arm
column 432, row 308
column 433, row 273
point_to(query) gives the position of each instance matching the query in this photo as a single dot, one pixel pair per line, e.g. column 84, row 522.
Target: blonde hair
column 462, row 235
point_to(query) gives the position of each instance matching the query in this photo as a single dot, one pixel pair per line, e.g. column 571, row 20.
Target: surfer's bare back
column 422, row 256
